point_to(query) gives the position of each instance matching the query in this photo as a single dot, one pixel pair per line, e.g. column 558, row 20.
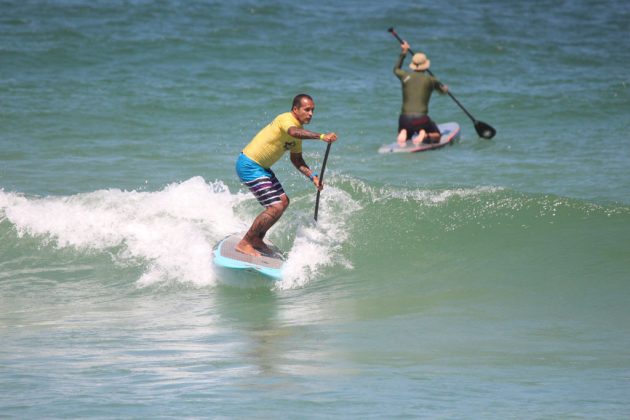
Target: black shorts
column 414, row 123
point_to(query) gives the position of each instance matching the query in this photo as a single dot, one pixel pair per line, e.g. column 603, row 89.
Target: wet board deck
column 225, row 255
column 450, row 131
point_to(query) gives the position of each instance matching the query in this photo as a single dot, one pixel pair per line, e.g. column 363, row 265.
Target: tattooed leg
column 253, row 240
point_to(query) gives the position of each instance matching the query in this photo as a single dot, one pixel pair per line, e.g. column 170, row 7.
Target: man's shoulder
column 423, row 76
column 285, row 116
column 287, row 119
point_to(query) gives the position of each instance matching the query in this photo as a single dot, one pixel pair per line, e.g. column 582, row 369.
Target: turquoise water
column 488, row 279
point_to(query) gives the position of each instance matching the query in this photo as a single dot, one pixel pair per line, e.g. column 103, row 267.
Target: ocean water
column 488, row 279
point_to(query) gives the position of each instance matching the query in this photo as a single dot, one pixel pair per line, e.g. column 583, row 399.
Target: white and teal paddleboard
column 450, row 132
column 225, row 255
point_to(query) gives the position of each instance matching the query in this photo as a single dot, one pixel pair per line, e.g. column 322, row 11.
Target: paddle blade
column 484, row 130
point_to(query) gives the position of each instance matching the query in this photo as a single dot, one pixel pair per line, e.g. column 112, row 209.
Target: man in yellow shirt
column 253, row 167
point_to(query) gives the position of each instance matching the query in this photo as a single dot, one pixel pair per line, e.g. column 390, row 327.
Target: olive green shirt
column 417, row 87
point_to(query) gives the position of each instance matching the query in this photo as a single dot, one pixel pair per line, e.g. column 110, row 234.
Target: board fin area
column 225, row 255
column 450, row 132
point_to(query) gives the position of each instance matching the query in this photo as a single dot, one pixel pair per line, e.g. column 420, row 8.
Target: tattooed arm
column 298, row 162
column 302, row 133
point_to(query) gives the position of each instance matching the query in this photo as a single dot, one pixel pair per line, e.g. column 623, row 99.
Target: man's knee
column 279, row 207
column 284, row 201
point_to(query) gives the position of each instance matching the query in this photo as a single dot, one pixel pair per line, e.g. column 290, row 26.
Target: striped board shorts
column 262, row 182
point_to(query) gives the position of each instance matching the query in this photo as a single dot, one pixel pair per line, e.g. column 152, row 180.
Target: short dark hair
column 297, row 101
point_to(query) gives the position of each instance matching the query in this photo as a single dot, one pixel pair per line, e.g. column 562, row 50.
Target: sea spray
column 321, row 244
column 170, row 232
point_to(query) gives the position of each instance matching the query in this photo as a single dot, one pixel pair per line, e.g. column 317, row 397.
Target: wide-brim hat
column 419, row 62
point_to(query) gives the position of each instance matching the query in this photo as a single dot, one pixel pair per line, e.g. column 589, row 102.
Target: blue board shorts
column 262, row 182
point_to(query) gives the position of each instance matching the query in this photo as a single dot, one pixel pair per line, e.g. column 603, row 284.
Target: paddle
column 321, row 179
column 484, row 130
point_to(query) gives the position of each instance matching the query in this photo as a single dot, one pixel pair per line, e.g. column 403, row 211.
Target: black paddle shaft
column 484, row 130
column 321, row 179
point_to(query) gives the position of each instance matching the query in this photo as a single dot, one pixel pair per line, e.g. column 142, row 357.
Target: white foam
column 423, row 196
column 170, row 233
column 318, row 246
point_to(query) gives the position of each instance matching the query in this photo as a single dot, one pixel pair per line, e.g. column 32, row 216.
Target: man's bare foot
column 402, row 138
column 247, row 248
column 420, row 137
column 263, row 247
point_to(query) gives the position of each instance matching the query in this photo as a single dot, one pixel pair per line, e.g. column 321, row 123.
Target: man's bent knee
column 284, row 202
column 279, row 207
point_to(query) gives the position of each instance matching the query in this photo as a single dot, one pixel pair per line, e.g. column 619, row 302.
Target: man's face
column 304, row 112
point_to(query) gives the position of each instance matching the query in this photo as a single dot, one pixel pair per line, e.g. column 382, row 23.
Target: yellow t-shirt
column 268, row 146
